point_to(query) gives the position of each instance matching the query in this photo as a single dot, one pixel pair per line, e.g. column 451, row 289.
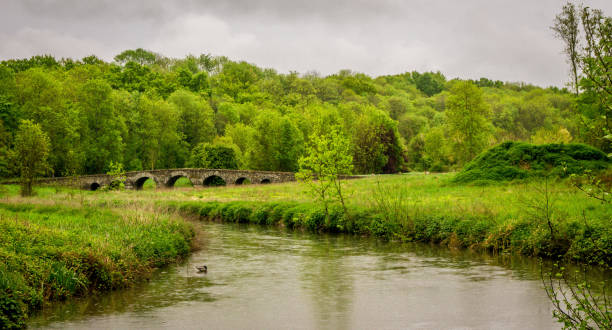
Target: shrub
column 518, row 160
column 12, row 311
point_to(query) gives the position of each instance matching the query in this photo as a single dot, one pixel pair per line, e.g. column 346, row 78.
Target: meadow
column 534, row 217
column 64, row 243
column 514, row 216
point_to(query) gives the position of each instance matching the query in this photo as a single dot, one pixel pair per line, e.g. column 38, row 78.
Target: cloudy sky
column 508, row 40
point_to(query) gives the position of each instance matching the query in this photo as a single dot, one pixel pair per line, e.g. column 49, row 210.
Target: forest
column 147, row 111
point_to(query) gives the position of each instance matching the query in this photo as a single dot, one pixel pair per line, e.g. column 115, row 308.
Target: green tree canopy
column 467, row 118
column 206, row 155
column 31, row 151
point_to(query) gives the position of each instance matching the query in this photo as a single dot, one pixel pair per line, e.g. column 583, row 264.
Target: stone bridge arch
column 95, row 183
column 214, row 180
column 170, row 179
column 137, row 179
column 243, row 180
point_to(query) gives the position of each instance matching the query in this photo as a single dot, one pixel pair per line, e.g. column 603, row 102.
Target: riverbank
column 56, row 252
column 533, row 217
column 64, row 243
column 580, row 240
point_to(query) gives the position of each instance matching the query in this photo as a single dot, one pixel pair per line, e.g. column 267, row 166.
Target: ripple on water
column 265, row 278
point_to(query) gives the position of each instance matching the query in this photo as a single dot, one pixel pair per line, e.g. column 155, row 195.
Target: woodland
column 147, row 111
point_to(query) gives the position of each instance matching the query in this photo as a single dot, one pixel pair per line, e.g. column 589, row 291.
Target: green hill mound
column 517, row 160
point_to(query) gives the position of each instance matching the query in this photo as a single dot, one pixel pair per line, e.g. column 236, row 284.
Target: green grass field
column 416, row 193
column 65, row 242
column 501, row 217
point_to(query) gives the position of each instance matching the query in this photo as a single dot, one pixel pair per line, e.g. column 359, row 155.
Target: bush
column 517, row 160
column 12, row 311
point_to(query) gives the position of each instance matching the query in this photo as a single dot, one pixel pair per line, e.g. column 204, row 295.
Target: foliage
column 428, row 82
column 276, row 144
column 467, row 120
column 219, row 156
column 587, row 35
column 543, row 136
column 515, row 160
column 31, row 150
column 378, row 148
column 50, row 253
column 140, row 56
column 566, row 28
column 328, row 157
column 117, row 174
column 149, row 111
column 597, row 186
column 577, row 304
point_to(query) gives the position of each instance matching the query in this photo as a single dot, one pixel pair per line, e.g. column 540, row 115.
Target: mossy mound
column 518, row 160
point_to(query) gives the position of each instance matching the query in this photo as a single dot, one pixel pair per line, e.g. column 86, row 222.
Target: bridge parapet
column 168, row 177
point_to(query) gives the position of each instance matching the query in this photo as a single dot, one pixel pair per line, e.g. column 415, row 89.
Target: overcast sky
column 509, row 40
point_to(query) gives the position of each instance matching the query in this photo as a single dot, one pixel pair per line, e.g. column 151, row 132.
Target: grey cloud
column 506, row 40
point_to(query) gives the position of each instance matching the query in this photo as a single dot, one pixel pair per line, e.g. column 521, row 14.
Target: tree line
column 147, row 111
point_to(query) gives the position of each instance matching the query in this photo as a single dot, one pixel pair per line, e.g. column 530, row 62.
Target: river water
column 265, row 278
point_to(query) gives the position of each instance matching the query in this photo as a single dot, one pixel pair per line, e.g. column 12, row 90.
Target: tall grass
column 70, row 243
column 428, row 208
column 56, row 252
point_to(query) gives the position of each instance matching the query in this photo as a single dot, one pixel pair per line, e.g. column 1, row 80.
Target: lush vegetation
column 515, row 160
column 498, row 218
column 57, row 252
column 148, row 111
column 65, row 243
column 145, row 111
column 504, row 217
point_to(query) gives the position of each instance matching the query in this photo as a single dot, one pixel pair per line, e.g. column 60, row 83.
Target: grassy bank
column 54, row 252
column 65, row 243
column 574, row 239
column 502, row 217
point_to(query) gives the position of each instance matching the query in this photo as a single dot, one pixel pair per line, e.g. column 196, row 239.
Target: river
column 265, row 278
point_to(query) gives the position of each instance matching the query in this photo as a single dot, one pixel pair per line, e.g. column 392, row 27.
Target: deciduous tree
column 31, row 151
column 467, row 119
column 328, row 156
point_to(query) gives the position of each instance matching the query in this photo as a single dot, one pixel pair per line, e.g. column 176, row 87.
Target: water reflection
column 327, row 279
column 264, row 278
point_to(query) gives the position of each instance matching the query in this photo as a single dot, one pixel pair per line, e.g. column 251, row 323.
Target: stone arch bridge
column 167, row 178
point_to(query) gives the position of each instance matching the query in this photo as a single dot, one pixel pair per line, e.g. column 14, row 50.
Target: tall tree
column 196, row 117
column 377, row 145
column 277, row 143
column 217, row 155
column 139, row 55
column 43, row 98
column 102, row 127
column 592, row 55
column 31, row 151
column 565, row 27
column 467, row 118
column 597, row 65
